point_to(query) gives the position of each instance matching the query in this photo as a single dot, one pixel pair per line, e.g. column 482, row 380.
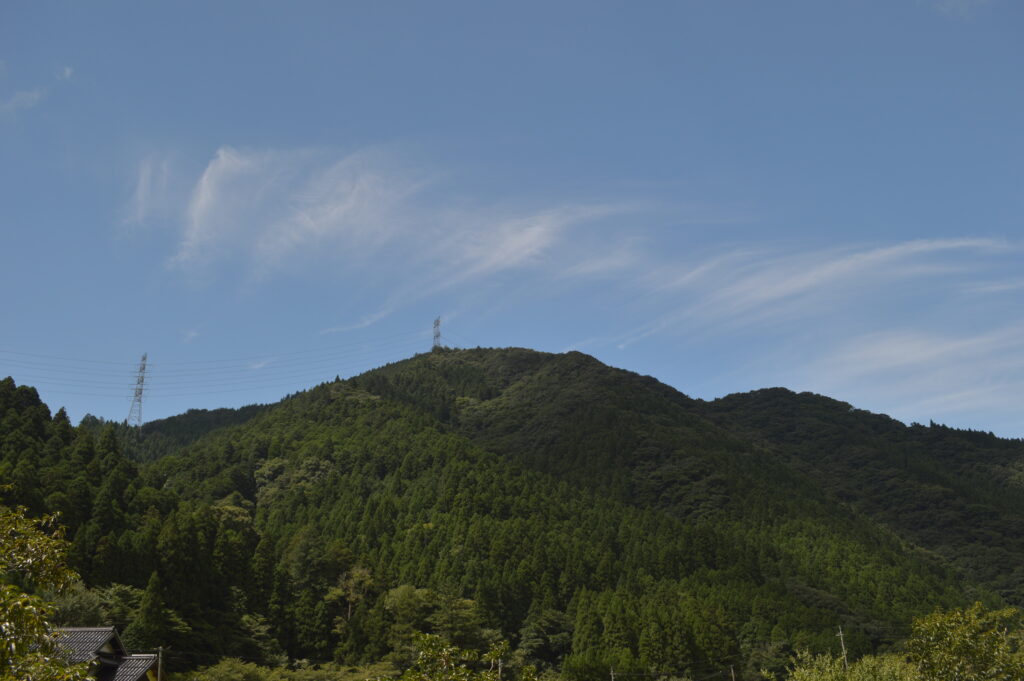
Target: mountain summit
column 596, row 518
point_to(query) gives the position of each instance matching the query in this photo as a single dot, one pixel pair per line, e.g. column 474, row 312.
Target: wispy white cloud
column 889, row 351
column 265, row 206
column 748, row 287
column 216, row 210
column 480, row 244
column 487, row 242
column 356, row 198
column 900, row 328
column 816, row 273
column 150, row 197
column 281, row 210
column 512, row 242
column 1000, row 286
column 189, row 336
column 918, row 375
column 21, row 100
column 666, row 279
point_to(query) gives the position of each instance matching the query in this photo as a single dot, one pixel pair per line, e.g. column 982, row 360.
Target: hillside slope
column 595, row 517
column 959, row 494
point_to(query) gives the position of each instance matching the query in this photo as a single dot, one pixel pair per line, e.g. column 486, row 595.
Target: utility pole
column 135, row 413
column 160, row 664
column 842, row 643
column 437, row 333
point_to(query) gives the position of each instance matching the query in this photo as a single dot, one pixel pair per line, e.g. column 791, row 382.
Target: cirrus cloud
column 750, row 287
column 275, row 211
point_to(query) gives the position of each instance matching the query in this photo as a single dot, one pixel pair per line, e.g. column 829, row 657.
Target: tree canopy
column 593, row 518
column 32, row 553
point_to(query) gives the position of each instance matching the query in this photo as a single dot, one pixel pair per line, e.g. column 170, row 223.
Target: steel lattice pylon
column 135, row 414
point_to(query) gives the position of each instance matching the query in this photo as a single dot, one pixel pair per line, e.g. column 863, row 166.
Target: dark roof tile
column 134, row 667
column 83, row 642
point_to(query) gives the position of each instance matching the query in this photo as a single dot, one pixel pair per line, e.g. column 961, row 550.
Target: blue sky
column 724, row 195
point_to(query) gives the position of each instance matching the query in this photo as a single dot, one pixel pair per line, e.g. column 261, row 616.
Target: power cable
column 85, row 377
column 238, row 363
column 215, row 377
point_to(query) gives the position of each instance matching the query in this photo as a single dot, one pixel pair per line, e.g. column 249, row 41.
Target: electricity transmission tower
column 135, row 414
column 437, row 333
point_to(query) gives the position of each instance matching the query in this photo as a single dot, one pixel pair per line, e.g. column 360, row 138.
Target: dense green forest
column 594, row 519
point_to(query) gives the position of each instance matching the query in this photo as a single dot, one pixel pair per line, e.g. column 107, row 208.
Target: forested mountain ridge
column 957, row 493
column 165, row 436
column 594, row 517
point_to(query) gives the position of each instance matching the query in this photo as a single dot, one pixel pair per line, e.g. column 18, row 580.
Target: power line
column 188, row 365
column 290, row 371
column 462, row 342
column 269, row 366
column 284, row 369
column 65, row 359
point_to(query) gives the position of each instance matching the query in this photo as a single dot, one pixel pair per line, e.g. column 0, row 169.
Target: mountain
column 959, row 494
column 595, row 518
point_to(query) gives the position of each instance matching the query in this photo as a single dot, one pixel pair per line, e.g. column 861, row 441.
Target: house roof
column 85, row 643
column 134, row 667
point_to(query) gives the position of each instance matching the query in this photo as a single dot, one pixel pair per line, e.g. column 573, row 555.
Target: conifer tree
column 154, row 624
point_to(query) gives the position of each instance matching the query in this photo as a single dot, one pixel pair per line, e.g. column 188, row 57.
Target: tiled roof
column 83, row 642
column 134, row 667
